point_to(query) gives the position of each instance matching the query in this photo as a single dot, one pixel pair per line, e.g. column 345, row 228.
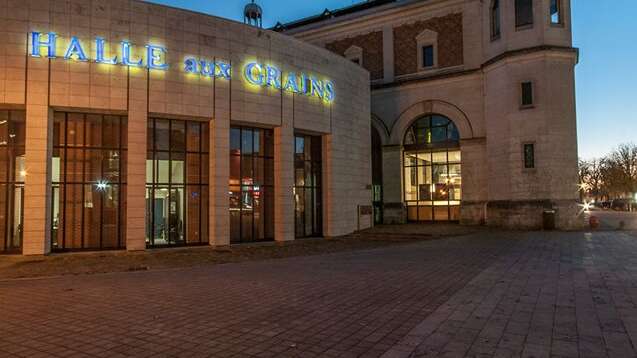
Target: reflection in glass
column 251, row 185
column 177, row 183
column 12, row 177
column 88, row 181
column 432, row 170
column 307, row 188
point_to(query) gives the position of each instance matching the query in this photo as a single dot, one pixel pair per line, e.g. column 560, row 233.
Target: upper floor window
column 354, row 54
column 427, row 45
column 523, row 13
column 556, row 12
column 529, row 155
column 495, row 20
column 428, row 56
column 527, row 95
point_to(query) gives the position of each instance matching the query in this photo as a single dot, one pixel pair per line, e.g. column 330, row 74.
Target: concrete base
column 528, row 214
column 394, row 213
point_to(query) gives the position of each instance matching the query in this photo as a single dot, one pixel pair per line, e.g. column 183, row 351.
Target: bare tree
column 622, row 163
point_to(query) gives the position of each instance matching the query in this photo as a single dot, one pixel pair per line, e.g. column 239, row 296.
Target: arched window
column 432, row 170
column 432, row 130
column 523, row 13
column 495, row 20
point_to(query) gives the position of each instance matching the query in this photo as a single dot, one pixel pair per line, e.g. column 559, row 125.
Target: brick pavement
column 489, row 294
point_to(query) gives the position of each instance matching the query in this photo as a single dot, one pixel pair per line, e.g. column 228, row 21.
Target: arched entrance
column 432, row 170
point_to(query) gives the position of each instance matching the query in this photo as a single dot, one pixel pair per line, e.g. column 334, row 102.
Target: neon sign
column 155, row 58
column 271, row 76
column 155, row 55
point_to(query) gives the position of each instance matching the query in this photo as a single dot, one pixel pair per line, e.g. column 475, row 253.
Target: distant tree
column 622, row 169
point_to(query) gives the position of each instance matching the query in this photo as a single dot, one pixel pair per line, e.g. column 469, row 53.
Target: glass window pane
column 455, row 156
column 75, row 130
column 439, row 157
column 257, row 145
column 4, row 164
column 246, row 141
column 235, row 141
column 110, row 217
column 58, row 129
column 411, row 183
column 194, row 168
column 235, row 170
column 205, row 137
column 193, row 140
column 150, row 134
column 4, row 128
column 193, row 217
column 247, row 175
column 17, row 128
column 111, row 131
column 176, row 216
column 178, row 161
column 110, row 166
column 94, row 131
column 162, row 167
column 178, row 136
column 162, row 134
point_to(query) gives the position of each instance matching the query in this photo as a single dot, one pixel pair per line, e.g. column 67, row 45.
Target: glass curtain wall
column 251, row 184
column 177, row 183
column 12, row 175
column 89, row 181
column 307, row 186
column 432, row 170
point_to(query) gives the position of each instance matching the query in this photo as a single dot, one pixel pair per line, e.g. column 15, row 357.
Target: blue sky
column 606, row 77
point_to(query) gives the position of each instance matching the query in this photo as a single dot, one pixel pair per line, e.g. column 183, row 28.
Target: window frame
column 517, row 15
column 521, row 87
column 496, row 19
column 67, row 180
column 202, row 184
column 560, row 14
column 533, row 166
column 427, row 38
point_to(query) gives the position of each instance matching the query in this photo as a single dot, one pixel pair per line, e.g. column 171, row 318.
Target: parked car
column 623, row 204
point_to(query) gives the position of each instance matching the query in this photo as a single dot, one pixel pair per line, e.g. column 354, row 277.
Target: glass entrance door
column 12, row 176
column 307, row 186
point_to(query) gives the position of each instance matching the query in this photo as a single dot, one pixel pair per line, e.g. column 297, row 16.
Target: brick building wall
column 372, row 45
column 449, row 29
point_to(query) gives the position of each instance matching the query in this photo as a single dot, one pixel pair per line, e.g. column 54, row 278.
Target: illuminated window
column 307, row 186
column 251, row 184
column 523, row 13
column 432, row 170
column 12, row 176
column 177, row 168
column 88, row 181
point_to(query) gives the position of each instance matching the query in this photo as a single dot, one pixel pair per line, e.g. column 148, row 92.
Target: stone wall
column 41, row 85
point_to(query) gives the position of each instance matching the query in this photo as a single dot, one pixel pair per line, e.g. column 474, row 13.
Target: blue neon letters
column 271, row 76
column 155, row 55
column 155, row 58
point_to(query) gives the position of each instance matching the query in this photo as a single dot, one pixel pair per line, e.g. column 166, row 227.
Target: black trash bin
column 548, row 220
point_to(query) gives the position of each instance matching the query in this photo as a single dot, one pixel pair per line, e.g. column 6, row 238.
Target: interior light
column 102, row 185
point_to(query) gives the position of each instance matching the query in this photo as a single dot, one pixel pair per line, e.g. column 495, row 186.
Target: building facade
column 128, row 125
column 473, row 106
